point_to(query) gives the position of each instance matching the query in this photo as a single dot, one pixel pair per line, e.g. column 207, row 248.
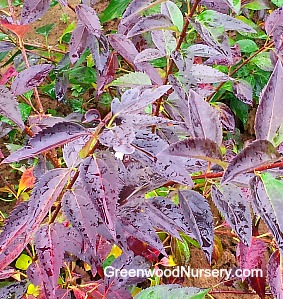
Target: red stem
column 179, row 43
column 220, row 174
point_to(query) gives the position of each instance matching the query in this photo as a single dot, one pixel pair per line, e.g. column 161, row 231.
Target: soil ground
column 198, row 260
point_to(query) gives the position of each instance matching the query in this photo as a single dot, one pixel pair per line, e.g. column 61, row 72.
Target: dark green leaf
column 114, row 10
column 45, row 30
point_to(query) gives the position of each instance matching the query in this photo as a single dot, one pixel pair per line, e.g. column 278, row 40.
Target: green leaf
column 274, row 190
column 82, row 75
column 256, row 5
column 23, row 262
column 114, row 10
column 132, row 80
column 172, row 291
column 278, row 3
column 68, row 30
column 278, row 138
column 45, row 30
column 240, row 109
column 175, row 14
column 259, row 33
column 263, row 61
column 25, row 111
column 235, row 5
column 181, row 251
column 247, row 45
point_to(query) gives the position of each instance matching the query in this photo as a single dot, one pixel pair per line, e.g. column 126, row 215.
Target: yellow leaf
column 27, row 180
column 168, row 262
column 33, row 290
column 115, row 251
column 23, row 262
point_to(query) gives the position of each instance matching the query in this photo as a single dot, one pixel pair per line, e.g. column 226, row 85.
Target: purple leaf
column 99, row 183
column 213, row 18
column 13, row 237
column 80, row 211
column 197, row 213
column 44, row 194
column 120, row 138
column 6, row 46
column 204, row 119
column 123, row 46
column 164, row 40
column 50, row 257
column 71, row 151
column 134, row 100
column 273, row 27
column 108, row 73
column 171, row 168
column 148, row 55
column 128, row 51
column 48, row 138
column 275, row 275
column 269, row 114
column 207, row 74
column 256, row 154
column 137, row 224
column 99, row 49
column 265, row 209
column 61, row 86
column 63, row 2
column 167, row 216
column 199, row 148
column 202, row 50
column 73, row 243
column 15, row 290
column 7, row 272
column 33, row 10
column 218, row 5
column 78, row 42
column 235, row 208
column 134, row 8
column 88, row 17
column 141, row 120
column 9, row 106
column 30, row 78
column 215, row 38
column 252, row 257
column 243, row 91
column 152, row 22
column 227, row 117
column 126, row 261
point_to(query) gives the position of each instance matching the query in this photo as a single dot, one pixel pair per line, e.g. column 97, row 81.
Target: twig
column 220, row 174
column 178, row 46
column 24, row 54
column 262, row 49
